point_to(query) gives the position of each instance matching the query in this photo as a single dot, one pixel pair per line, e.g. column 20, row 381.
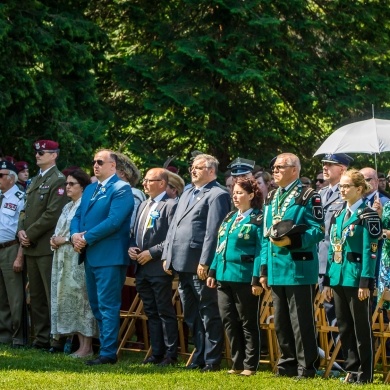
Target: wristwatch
column 67, row 240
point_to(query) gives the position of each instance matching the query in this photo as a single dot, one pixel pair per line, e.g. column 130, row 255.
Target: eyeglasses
column 281, row 167
column 368, row 179
column 42, row 152
column 100, row 162
column 3, row 174
column 71, row 183
column 190, row 169
column 321, row 181
column 171, row 187
column 150, row 180
column 345, row 186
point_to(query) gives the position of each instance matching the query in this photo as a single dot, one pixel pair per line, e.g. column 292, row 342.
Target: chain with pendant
column 280, row 208
column 337, row 243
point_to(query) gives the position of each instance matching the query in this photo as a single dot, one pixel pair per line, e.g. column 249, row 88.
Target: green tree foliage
column 241, row 78
column 50, row 56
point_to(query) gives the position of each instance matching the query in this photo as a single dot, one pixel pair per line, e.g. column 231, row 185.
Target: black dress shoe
column 211, row 368
column 153, row 360
column 168, row 361
column 194, row 366
column 101, row 360
column 44, row 347
column 55, row 350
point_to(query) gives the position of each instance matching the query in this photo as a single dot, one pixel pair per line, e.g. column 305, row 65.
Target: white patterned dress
column 70, row 308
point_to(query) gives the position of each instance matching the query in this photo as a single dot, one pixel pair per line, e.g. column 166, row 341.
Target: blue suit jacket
column 106, row 220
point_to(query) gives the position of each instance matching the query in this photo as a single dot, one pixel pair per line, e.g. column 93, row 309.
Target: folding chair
column 381, row 331
column 267, row 323
column 129, row 318
column 326, row 340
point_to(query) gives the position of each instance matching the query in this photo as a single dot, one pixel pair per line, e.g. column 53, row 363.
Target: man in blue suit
column 100, row 232
column 189, row 249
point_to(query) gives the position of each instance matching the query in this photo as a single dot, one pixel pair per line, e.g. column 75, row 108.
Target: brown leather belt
column 7, row 244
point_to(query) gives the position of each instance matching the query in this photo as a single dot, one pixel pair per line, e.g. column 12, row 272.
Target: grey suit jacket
column 330, row 206
column 155, row 236
column 193, row 235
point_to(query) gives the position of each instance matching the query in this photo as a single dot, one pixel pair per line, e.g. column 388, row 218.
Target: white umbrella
column 370, row 136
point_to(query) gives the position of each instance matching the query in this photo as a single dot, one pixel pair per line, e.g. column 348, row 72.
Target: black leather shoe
column 211, row 368
column 44, row 347
column 55, row 350
column 101, row 360
column 194, row 366
column 153, row 360
column 168, row 361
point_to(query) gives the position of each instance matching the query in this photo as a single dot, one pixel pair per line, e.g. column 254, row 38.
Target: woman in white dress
column 70, row 309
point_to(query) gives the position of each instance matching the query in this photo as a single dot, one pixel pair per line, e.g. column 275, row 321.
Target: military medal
column 246, row 236
column 240, row 235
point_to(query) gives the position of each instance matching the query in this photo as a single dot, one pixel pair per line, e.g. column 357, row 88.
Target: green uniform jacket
column 356, row 268
column 238, row 248
column 45, row 199
column 296, row 264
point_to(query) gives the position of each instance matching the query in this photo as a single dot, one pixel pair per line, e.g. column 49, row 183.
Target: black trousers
column 156, row 294
column 200, row 306
column 295, row 329
column 239, row 312
column 354, row 321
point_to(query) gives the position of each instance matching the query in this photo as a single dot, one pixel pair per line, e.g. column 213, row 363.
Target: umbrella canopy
column 369, row 136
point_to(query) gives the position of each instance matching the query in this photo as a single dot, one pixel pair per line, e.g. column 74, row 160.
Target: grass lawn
column 32, row 369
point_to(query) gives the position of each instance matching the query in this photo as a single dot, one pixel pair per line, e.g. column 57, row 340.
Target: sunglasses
column 71, row 183
column 99, row 162
column 3, row 174
column 321, row 181
column 42, row 152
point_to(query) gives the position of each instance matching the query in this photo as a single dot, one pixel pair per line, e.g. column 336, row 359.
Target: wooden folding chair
column 267, row 323
column 325, row 338
column 381, row 331
column 128, row 326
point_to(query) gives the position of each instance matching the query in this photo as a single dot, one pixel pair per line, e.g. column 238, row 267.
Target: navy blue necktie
column 329, row 194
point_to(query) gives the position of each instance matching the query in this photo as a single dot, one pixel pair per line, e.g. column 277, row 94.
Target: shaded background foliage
column 161, row 78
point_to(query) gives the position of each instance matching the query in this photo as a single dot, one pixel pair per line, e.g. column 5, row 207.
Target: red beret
column 21, row 166
column 46, row 144
column 10, row 159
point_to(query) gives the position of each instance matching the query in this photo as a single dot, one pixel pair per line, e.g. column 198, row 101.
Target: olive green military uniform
column 351, row 265
column 292, row 273
column 239, row 245
column 45, row 199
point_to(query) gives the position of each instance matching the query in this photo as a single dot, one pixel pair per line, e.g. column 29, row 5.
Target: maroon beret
column 46, row 144
column 21, row 166
column 10, row 159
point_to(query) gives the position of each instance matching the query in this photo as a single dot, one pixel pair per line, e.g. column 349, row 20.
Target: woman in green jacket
column 238, row 247
column 354, row 233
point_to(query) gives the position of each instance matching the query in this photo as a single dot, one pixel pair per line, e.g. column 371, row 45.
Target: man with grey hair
column 293, row 226
column 189, row 250
column 12, row 328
